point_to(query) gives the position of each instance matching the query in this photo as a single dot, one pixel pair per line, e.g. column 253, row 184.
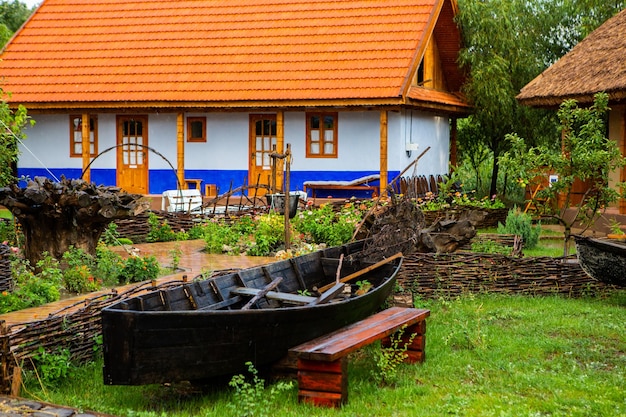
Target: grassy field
column 487, row 355
column 5, row 214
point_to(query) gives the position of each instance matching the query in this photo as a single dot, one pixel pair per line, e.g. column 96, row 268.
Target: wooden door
column 132, row 154
column 262, row 140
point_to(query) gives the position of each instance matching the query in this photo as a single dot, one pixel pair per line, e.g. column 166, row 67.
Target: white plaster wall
column 358, row 145
column 162, row 138
column 226, row 146
column 424, row 129
column 42, row 149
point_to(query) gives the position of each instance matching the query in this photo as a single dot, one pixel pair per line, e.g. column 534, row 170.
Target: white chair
column 186, row 201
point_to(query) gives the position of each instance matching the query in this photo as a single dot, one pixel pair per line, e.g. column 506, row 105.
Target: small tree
column 11, row 124
column 586, row 155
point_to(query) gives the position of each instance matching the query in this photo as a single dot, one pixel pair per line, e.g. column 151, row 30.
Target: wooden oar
column 362, row 271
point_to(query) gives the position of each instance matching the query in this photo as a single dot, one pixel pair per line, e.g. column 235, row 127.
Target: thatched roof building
column 597, row 63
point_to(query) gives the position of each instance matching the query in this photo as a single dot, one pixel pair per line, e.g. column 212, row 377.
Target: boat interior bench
column 322, row 362
column 359, row 184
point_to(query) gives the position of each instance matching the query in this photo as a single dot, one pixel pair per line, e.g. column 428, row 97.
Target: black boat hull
column 145, row 347
column 602, row 259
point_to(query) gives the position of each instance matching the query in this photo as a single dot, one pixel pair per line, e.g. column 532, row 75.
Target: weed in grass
column 175, row 254
column 388, row 358
column 52, row 367
column 252, row 399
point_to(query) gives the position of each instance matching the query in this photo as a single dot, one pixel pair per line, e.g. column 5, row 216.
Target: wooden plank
column 328, row 295
column 263, row 292
column 274, row 295
column 350, row 338
column 222, row 304
column 321, row 399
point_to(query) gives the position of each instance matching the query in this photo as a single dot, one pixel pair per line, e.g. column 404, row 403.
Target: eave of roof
column 451, row 103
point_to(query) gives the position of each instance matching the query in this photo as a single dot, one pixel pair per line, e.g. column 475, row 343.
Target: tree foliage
column 507, row 43
column 586, row 155
column 13, row 14
column 12, row 121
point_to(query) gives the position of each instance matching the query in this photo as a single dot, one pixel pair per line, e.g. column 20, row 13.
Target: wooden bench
column 322, row 362
column 359, row 184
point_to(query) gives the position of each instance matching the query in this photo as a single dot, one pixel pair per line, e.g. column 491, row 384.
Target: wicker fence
column 434, row 275
column 6, row 279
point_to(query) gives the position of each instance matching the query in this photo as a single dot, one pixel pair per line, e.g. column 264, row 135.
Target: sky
column 31, row 3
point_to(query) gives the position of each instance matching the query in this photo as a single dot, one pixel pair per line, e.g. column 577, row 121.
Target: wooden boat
column 208, row 328
column 602, row 259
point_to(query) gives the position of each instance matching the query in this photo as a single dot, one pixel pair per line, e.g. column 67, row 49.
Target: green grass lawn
column 5, row 214
column 486, row 355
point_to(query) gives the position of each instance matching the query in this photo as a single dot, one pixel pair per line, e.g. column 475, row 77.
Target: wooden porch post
column 453, row 148
column 622, row 147
column 180, row 150
column 86, row 146
column 383, row 153
column 280, row 146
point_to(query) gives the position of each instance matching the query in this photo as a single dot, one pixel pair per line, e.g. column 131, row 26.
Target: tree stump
column 56, row 215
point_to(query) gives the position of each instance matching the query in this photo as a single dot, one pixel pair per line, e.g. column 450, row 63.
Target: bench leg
column 323, row 383
column 415, row 350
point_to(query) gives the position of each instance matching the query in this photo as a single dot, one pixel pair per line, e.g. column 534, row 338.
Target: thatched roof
column 596, row 64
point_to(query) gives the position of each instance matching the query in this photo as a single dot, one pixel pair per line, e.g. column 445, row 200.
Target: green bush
column 269, row 233
column 137, row 269
column 108, row 266
column 32, row 290
column 7, row 232
column 324, row 225
column 53, row 368
column 518, row 223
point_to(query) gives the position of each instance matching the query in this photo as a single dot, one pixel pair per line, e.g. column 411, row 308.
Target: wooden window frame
column 75, row 141
column 190, row 121
column 309, row 129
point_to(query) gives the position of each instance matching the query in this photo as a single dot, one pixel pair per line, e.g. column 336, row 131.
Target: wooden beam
column 453, row 148
column 622, row 146
column 86, row 147
column 280, row 148
column 384, row 157
column 180, row 150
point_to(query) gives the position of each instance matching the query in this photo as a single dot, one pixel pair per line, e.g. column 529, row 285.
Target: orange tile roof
column 216, row 52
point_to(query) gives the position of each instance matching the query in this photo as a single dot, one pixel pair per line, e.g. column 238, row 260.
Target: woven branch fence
column 6, row 277
column 430, row 275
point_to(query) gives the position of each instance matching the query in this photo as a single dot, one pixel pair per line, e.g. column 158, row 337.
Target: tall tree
column 506, row 44
column 12, row 121
column 13, row 14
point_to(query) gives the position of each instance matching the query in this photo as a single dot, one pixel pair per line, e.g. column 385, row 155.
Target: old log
column 57, row 215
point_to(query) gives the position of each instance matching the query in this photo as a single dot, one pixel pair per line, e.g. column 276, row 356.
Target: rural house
column 149, row 94
column 596, row 64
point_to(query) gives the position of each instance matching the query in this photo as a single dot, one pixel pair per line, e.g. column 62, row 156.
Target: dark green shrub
column 518, row 223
